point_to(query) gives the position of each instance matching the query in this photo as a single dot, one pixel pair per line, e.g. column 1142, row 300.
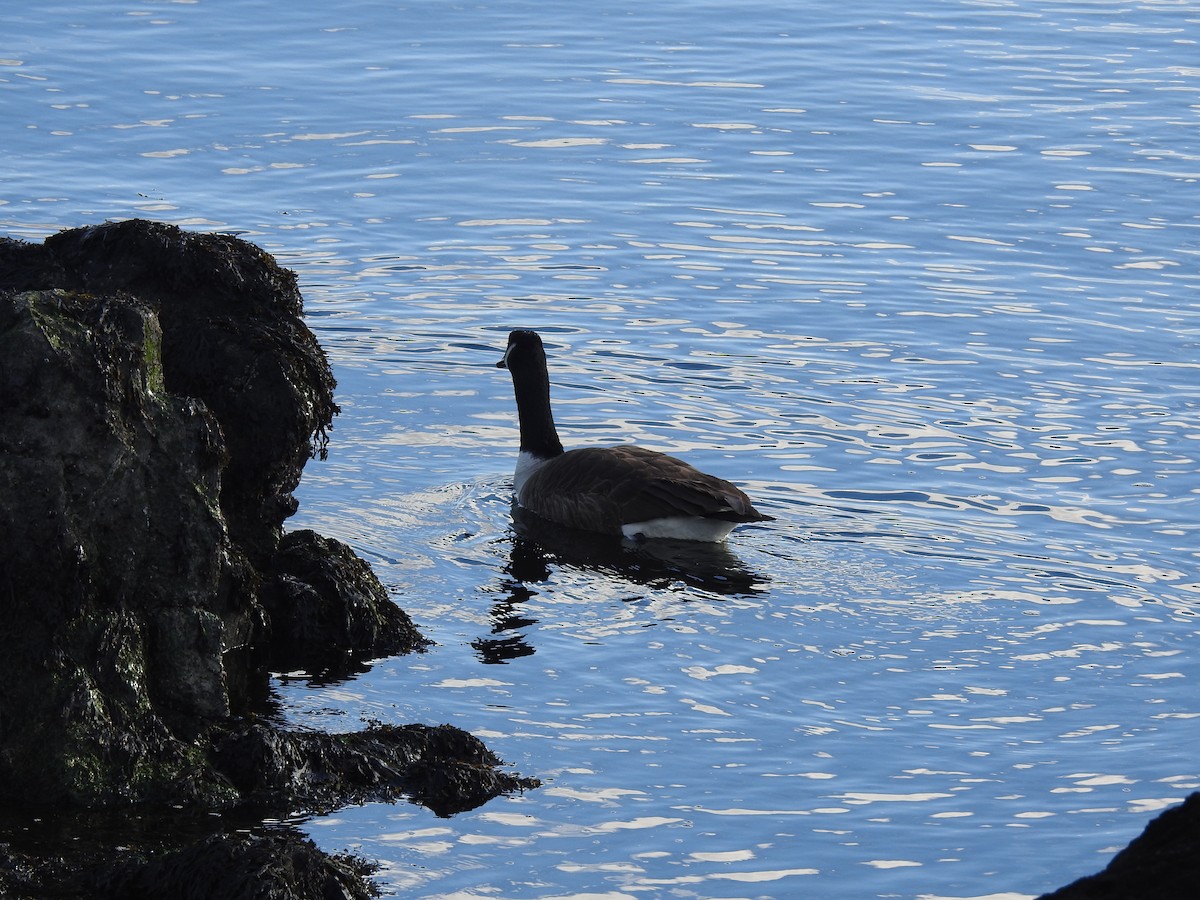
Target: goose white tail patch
column 681, row 528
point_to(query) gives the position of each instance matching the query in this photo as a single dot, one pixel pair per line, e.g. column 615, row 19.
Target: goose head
column 525, row 359
column 525, row 355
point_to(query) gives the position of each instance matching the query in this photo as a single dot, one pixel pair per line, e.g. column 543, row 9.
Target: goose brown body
column 625, row 490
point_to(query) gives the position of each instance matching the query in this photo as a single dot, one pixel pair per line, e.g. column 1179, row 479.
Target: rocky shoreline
column 160, row 395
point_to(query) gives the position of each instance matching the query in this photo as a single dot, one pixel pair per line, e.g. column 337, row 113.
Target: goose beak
column 502, row 365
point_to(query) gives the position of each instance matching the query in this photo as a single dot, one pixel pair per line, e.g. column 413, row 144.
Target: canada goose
column 623, row 490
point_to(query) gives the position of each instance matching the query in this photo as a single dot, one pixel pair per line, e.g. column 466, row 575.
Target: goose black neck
column 531, row 384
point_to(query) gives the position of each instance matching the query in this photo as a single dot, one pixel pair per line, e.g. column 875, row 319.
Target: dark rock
column 1162, row 863
column 277, row 865
column 159, row 397
column 440, row 767
column 252, row 863
column 119, row 583
column 232, row 339
column 328, row 610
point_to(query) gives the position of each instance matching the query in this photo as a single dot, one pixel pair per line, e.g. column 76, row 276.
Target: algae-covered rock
column 108, row 490
column 159, row 397
column 274, row 865
column 253, row 862
column 327, row 609
column 232, row 339
column 441, row 767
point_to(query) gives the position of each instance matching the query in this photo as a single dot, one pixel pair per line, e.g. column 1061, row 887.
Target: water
column 921, row 280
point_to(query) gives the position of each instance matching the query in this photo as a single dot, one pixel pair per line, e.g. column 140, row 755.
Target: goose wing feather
column 603, row 488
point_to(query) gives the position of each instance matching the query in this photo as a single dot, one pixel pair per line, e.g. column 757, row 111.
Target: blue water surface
column 922, row 279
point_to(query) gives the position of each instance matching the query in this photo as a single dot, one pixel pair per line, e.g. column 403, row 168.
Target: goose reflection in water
column 539, row 546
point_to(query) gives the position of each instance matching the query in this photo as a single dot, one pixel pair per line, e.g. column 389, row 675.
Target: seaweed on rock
column 159, row 397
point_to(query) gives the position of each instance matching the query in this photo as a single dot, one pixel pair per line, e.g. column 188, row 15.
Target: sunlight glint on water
column 921, row 279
